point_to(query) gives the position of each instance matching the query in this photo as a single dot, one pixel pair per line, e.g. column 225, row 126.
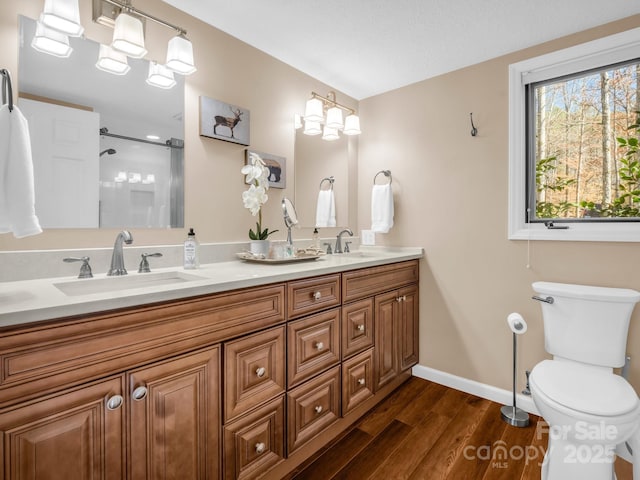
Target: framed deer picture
column 224, row 121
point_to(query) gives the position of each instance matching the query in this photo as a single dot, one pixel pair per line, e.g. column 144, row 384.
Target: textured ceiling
column 367, row 47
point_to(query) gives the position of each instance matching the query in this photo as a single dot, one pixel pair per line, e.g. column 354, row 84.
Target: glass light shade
column 313, row 111
column 160, row 76
column 51, row 41
column 312, row 128
column 112, row 61
column 330, row 134
column 128, row 36
column 62, row 15
column 334, row 118
column 352, row 125
column 297, row 121
column 180, row 55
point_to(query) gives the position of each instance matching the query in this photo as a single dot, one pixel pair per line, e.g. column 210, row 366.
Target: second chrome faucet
column 117, row 257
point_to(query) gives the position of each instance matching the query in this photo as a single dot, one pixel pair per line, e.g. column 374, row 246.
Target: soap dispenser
column 315, row 240
column 191, row 260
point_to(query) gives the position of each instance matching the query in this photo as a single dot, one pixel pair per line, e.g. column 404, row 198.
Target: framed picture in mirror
column 224, row 121
column 277, row 167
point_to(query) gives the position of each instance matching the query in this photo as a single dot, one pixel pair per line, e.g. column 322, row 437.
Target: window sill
column 579, row 233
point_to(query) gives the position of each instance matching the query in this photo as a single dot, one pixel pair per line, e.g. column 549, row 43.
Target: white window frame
column 598, row 53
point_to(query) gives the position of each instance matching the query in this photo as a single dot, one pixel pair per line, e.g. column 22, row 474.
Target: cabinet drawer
column 312, row 295
column 369, row 281
column 357, row 380
column 254, row 371
column 312, row 407
column 313, row 345
column 255, row 442
column 357, row 327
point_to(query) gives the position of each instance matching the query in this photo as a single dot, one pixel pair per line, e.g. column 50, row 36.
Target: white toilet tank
column 586, row 324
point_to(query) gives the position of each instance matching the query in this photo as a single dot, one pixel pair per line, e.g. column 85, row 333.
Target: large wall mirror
column 317, row 160
column 107, row 149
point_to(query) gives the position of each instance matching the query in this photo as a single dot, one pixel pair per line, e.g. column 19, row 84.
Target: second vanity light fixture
column 315, row 121
column 60, row 19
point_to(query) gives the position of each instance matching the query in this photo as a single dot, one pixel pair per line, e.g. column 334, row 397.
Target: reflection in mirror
column 107, row 149
column 315, row 160
column 290, row 217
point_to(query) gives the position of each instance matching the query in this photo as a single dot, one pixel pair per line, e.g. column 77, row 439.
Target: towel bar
column 328, row 179
column 7, row 88
column 386, row 173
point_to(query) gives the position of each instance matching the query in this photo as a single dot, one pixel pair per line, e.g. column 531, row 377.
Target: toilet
column 589, row 408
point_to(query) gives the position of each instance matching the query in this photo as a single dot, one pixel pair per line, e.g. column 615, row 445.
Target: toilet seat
column 583, row 388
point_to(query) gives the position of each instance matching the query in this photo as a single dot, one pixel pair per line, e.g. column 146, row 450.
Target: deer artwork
column 228, row 121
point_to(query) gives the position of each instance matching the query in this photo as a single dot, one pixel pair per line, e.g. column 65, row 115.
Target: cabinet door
column 254, row 443
column 357, row 327
column 174, row 411
column 408, row 327
column 77, row 435
column 386, row 366
column 254, row 371
column 357, row 380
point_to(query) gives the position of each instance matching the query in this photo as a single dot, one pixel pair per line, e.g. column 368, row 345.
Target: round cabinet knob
column 318, row 408
column 319, row 346
column 139, row 393
column 361, row 381
column 261, row 371
column 360, row 328
column 260, row 447
column 114, row 402
column 398, row 299
column 317, row 295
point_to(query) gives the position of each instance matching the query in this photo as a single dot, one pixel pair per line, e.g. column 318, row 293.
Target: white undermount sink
column 90, row 286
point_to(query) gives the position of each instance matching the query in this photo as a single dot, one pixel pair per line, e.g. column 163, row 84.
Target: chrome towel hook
column 474, row 130
column 7, row 88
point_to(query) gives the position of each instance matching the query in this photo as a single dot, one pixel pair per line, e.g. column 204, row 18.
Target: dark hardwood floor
column 427, row 431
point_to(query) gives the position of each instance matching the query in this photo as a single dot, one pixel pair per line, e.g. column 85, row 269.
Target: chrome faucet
column 117, row 258
column 338, row 248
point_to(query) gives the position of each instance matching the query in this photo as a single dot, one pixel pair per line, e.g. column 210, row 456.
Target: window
column 573, row 148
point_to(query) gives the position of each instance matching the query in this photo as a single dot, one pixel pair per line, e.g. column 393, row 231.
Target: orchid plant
column 257, row 175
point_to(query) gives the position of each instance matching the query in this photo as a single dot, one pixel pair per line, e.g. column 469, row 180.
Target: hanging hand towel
column 17, row 198
column 381, row 208
column 326, row 209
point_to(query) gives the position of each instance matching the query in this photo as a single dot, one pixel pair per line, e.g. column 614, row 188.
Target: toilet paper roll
column 517, row 323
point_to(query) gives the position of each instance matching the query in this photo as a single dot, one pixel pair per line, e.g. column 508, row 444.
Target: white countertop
column 36, row 300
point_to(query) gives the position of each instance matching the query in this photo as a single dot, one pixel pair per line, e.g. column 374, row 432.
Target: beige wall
column 228, row 70
column 451, row 198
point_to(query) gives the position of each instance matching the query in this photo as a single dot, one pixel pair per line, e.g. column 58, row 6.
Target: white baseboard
column 498, row 395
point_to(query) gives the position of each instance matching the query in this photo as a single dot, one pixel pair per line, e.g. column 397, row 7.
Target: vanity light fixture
column 112, row 61
column 314, row 117
column 63, row 16
column 160, row 76
column 128, row 34
column 53, row 42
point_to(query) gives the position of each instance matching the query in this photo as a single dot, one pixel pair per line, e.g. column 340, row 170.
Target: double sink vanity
column 235, row 370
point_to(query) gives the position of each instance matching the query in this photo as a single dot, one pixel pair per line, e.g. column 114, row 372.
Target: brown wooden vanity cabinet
column 236, row 385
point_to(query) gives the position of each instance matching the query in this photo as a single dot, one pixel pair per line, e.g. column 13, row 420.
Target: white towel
column 381, row 208
column 17, row 199
column 326, row 209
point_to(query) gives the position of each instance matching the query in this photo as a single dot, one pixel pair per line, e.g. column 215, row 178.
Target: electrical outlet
column 367, row 237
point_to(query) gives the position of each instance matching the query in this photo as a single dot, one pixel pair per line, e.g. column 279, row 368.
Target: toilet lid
column 584, row 388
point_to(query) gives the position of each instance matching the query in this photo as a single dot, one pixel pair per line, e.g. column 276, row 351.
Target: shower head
column 109, row 151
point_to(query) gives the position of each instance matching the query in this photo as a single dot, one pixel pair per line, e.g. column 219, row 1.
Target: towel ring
column 386, row 173
column 7, row 88
column 330, row 179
